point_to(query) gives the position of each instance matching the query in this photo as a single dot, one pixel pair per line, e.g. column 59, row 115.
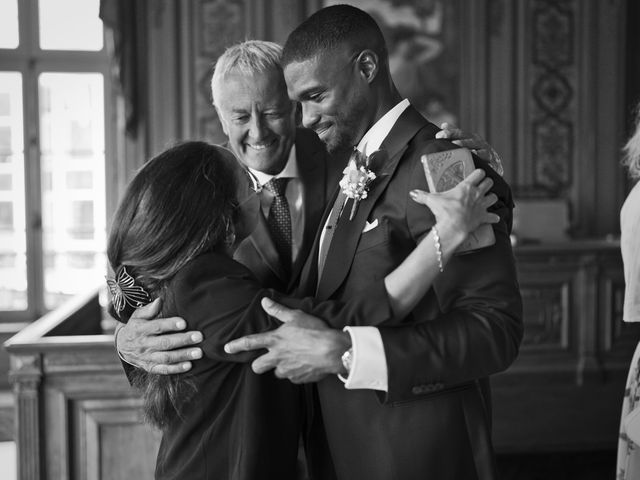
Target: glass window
column 9, row 37
column 6, row 216
column 13, row 267
column 64, row 234
column 6, row 181
column 70, row 25
column 72, row 121
column 81, row 221
column 79, row 180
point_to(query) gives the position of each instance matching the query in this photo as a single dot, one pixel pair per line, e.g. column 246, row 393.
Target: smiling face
column 334, row 96
column 258, row 118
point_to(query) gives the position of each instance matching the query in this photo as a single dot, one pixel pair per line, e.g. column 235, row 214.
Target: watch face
column 347, row 359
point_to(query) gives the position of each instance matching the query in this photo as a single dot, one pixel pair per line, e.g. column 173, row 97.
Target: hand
column 304, row 349
column 464, row 207
column 473, row 142
column 144, row 342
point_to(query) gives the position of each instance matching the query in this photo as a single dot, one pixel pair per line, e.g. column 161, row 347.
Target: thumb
column 276, row 310
column 149, row 311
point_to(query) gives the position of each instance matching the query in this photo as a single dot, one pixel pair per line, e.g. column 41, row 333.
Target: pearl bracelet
column 436, row 241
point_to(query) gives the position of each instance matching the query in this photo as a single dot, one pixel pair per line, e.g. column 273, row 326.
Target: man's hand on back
column 146, row 342
column 304, row 349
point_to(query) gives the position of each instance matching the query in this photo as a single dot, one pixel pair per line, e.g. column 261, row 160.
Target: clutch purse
column 444, row 170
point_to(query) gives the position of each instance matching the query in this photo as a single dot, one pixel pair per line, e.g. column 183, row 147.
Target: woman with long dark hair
column 172, row 238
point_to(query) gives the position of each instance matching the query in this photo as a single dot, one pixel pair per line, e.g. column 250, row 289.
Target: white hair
column 247, row 58
column 632, row 150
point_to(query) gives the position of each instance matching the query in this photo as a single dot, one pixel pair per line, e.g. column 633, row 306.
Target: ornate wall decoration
column 423, row 39
column 546, row 315
column 218, row 24
column 553, row 80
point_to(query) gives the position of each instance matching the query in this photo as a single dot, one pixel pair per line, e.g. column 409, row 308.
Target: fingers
column 420, row 196
column 491, row 218
column 264, row 363
column 160, row 326
column 166, row 369
column 170, row 341
column 484, row 186
column 149, row 311
column 488, row 200
column 250, row 342
column 449, row 131
column 475, row 177
column 483, row 153
column 276, row 310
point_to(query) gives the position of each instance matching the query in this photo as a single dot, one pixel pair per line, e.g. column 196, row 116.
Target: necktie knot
column 277, row 186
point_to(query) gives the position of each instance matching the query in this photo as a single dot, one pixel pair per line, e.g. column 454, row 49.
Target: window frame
column 30, row 61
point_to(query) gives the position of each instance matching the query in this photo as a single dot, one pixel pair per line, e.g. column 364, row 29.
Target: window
column 54, row 142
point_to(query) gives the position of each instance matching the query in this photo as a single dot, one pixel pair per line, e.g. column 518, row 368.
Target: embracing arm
column 480, row 328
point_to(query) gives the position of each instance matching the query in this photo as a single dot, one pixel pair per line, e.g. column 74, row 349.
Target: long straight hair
column 180, row 204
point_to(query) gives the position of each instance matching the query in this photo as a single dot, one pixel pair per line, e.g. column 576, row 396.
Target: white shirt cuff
column 369, row 363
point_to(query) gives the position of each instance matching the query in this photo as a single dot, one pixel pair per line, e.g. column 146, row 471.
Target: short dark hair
column 330, row 28
column 179, row 205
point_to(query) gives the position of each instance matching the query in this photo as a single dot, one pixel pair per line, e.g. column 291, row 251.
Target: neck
column 387, row 97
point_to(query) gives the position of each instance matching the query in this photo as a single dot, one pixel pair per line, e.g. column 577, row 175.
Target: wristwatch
column 347, row 360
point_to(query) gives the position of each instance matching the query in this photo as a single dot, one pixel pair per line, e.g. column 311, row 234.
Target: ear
column 368, row 64
column 222, row 121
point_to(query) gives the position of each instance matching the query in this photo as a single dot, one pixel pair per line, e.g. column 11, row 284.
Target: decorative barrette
column 124, row 291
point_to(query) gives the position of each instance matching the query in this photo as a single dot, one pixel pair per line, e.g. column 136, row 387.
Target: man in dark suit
column 429, row 414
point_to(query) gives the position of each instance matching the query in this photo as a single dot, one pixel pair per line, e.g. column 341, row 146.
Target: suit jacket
column 318, row 174
column 238, row 425
column 435, row 419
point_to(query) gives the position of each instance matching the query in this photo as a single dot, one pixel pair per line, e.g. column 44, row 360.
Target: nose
column 256, row 127
column 310, row 116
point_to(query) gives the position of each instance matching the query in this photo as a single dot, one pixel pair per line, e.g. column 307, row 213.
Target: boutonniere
column 357, row 179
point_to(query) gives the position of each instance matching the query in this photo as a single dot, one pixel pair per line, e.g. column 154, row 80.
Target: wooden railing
column 76, row 415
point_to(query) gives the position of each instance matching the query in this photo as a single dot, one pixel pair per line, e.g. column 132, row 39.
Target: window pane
column 70, row 25
column 13, row 260
column 9, row 24
column 72, row 161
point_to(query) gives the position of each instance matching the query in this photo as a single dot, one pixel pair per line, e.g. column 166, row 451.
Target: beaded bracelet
column 436, row 241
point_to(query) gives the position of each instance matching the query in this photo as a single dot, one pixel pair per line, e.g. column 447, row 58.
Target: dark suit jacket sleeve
column 221, row 298
column 480, row 328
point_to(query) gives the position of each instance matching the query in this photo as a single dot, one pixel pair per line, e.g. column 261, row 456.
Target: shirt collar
column 379, row 131
column 290, row 170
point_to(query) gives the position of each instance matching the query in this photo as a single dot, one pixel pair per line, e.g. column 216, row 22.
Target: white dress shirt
column 369, row 365
column 294, row 194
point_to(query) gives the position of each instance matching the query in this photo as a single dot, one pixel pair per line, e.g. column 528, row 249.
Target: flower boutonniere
column 357, row 179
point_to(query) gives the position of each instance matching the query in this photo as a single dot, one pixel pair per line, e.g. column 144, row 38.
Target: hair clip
column 124, row 291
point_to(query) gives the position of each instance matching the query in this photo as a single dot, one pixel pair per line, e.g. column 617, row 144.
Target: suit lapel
column 312, row 168
column 254, row 222
column 347, row 235
column 262, row 242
